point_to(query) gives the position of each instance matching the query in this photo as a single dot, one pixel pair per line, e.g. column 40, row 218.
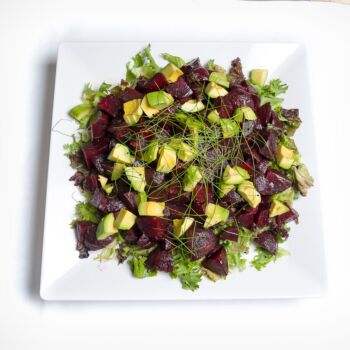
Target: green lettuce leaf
column 270, row 91
column 262, row 258
column 138, row 267
column 87, row 212
column 176, row 60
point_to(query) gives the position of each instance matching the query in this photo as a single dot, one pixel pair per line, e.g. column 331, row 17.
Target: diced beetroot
column 262, row 166
column 78, row 178
column 106, row 204
column 276, row 122
column 167, row 244
column 110, row 104
column 202, row 193
column 90, row 184
column 131, row 236
column 157, row 82
column 175, row 194
column 160, row 260
column 264, row 113
column 102, row 165
column 86, row 236
column 267, row 241
column 91, row 151
column 231, row 198
column 273, row 182
column 119, row 129
column 197, row 90
column 198, row 208
column 291, row 215
column 230, row 234
column 269, row 150
column 179, row 89
column 176, row 210
column 200, row 241
column 130, row 94
column 154, row 178
column 153, row 227
column 217, row 262
column 246, row 218
column 98, row 128
column 158, row 195
column 247, row 165
column 129, row 199
column 144, row 242
column 262, row 217
column 193, row 64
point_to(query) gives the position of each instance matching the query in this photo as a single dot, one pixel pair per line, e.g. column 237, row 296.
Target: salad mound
column 185, row 168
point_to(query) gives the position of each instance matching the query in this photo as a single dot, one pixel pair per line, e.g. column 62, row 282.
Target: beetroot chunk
column 264, row 113
column 291, row 215
column 154, row 178
column 246, row 218
column 153, row 227
column 262, row 218
column 157, row 82
column 93, row 150
column 179, row 89
column 129, row 199
column 160, row 260
column 230, row 234
column 131, row 236
column 144, row 242
column 98, row 128
column 90, row 184
column 175, row 210
column 217, row 262
column 130, row 94
column 273, row 182
column 110, row 104
column 200, row 241
column 202, row 193
column 267, row 241
column 269, row 150
column 119, row 129
column 106, row 204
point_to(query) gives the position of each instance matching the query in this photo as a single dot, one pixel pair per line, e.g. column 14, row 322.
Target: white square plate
column 65, row 277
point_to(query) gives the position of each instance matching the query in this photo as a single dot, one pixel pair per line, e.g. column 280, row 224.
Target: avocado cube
column 285, row 157
column 235, row 175
column 219, row 78
column 151, row 152
column 258, row 76
column 238, row 116
column 121, row 153
column 229, row 128
column 287, row 196
column 171, row 73
column 148, row 110
column 106, row 227
column 249, row 193
column 191, row 178
column 192, row 106
column 182, row 225
column 108, row 188
column 215, row 214
column 224, row 189
column 125, row 220
column 80, row 112
column 181, row 117
column 136, row 176
column 117, row 172
column 131, row 119
column 277, row 208
column 248, row 113
column 141, row 197
column 151, row 208
column 185, row 152
column 214, row 117
column 159, row 99
column 132, row 111
column 214, row 90
column 167, row 159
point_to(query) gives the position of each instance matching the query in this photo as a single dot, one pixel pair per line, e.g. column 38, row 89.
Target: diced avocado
column 166, row 160
column 277, row 208
column 287, row 196
column 258, row 76
column 171, row 72
column 81, row 112
column 248, row 113
column 151, row 208
column 106, row 227
column 219, row 78
column 181, row 117
column 125, row 220
column 194, row 124
column 159, row 99
column 247, row 190
column 185, row 152
column 229, row 128
column 192, row 106
column 285, row 157
column 117, row 172
column 214, row 117
column 136, row 176
column 141, row 197
column 215, row 214
column 108, row 188
column 191, row 178
column 238, row 116
column 121, row 153
column 132, row 111
column 235, row 175
column 148, row 110
column 214, row 90
column 182, row 225
column 224, row 189
column 151, row 152
column 175, row 144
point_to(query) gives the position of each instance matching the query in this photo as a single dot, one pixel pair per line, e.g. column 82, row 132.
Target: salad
column 185, row 168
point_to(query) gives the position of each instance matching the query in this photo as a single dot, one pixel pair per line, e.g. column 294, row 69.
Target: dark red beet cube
column 291, row 215
column 130, row 94
column 273, row 182
column 230, row 234
column 153, row 227
column 160, row 260
column 176, row 210
column 262, row 218
column 98, row 128
column 267, row 241
column 110, row 104
column 131, row 236
column 246, row 218
column 144, row 242
column 119, row 129
column 157, row 82
column 129, row 199
column 154, row 178
column 202, row 193
column 269, row 150
column 179, row 89
column 264, row 113
column 200, row 241
column 217, row 262
column 90, row 184
column 93, row 150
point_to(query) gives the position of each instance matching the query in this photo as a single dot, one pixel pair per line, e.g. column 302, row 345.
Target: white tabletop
column 29, row 37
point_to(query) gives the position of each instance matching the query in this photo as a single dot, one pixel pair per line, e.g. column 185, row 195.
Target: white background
column 29, row 35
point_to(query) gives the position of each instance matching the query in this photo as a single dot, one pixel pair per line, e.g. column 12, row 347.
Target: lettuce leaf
column 87, row 212
column 262, row 258
column 270, row 91
column 138, row 267
column 176, row 60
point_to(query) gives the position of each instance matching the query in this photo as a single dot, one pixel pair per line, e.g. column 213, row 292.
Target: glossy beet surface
column 200, row 241
column 268, row 241
column 160, row 260
column 153, row 227
column 217, row 262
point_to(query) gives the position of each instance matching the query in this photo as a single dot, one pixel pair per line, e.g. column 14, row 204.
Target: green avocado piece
column 185, row 152
column 167, row 159
column 215, row 214
column 224, row 189
column 235, row 175
column 121, row 153
column 214, row 117
column 192, row 106
column 117, row 172
column 106, row 227
column 277, row 208
column 248, row 113
column 287, row 196
column 258, row 76
column 136, row 176
column 191, row 178
column 141, row 197
column 151, row 152
column 182, row 225
column 159, row 99
column 131, row 119
column 108, row 188
column 249, row 193
column 219, row 78
column 125, row 220
column 151, row 208
column 214, row 90
column 285, row 157
column 229, row 128
column 171, row 72
column 81, row 112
